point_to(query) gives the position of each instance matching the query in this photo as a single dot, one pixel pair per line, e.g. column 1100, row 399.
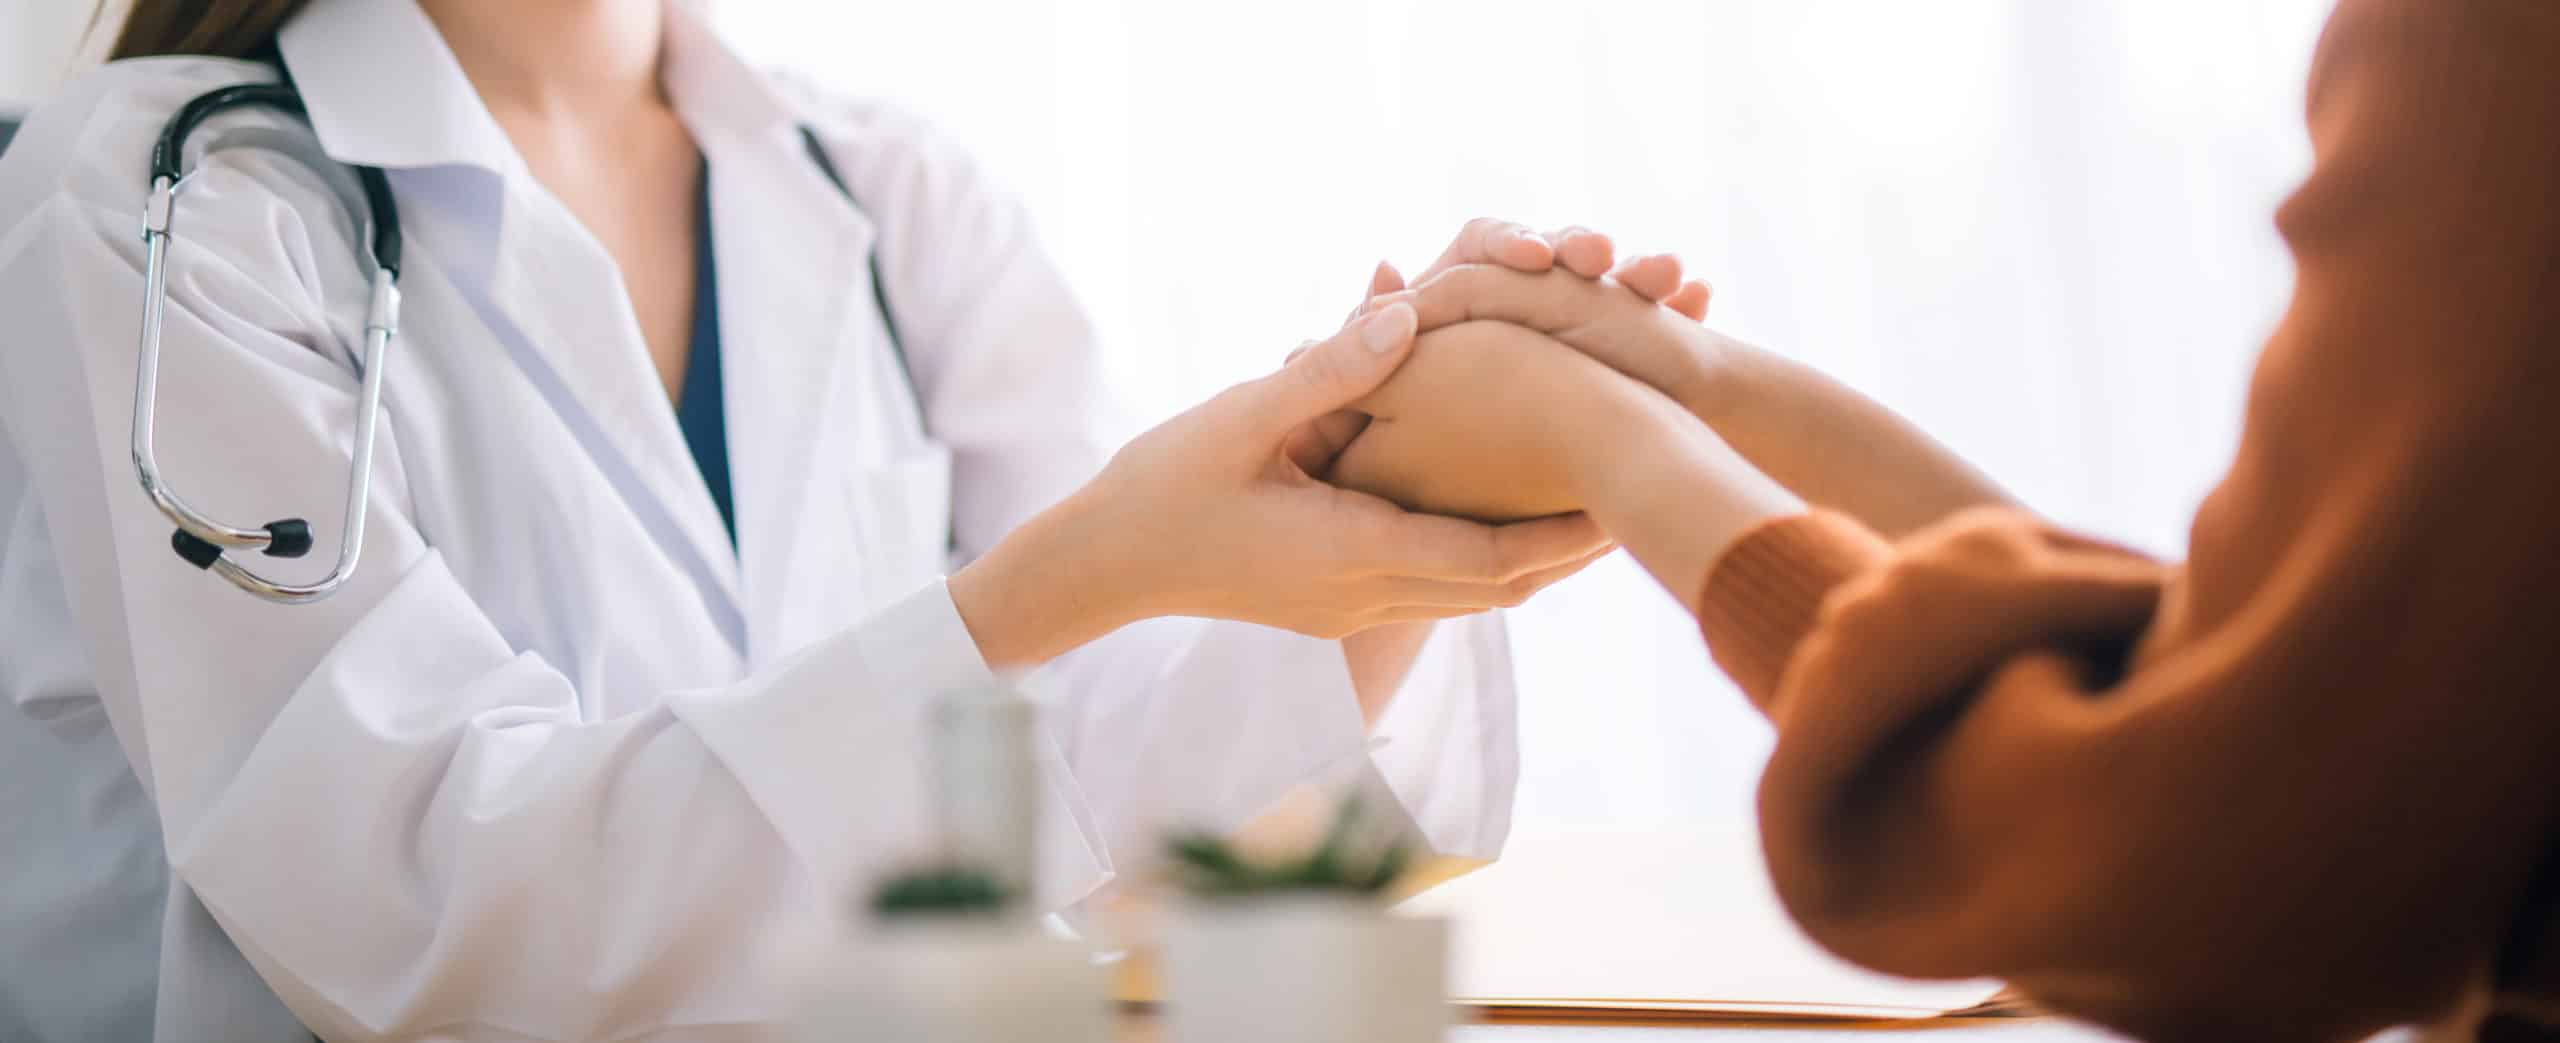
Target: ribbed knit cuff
column 1764, row 595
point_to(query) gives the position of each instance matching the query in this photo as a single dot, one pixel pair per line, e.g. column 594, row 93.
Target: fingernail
column 1526, row 235
column 1388, row 328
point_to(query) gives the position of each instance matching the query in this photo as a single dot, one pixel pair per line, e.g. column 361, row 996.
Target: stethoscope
column 204, row 542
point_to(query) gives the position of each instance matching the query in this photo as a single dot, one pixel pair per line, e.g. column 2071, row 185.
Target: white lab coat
column 559, row 764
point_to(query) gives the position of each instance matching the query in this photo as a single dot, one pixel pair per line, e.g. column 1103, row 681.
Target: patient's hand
column 1682, row 359
column 1492, row 242
column 1431, row 469
column 1492, row 421
column 1817, row 437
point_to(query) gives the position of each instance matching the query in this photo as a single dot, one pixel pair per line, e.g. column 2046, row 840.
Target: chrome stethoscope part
column 201, row 540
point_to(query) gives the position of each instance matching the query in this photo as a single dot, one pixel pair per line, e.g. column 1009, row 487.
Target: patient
column 2304, row 785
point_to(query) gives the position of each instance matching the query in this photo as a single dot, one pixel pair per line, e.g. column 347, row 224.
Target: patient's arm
column 1512, row 423
column 1831, row 445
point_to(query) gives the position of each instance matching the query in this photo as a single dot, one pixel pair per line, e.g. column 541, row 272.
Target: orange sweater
column 2306, row 784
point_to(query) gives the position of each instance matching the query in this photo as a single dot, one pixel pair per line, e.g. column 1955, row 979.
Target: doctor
column 624, row 698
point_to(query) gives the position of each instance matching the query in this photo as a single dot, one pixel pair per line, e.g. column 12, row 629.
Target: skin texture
column 1380, row 656
column 1480, row 424
column 1817, row 437
column 1494, row 418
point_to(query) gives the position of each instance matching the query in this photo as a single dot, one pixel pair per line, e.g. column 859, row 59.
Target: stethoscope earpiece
column 290, row 538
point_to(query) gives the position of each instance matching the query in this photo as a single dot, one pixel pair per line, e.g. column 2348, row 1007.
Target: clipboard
column 1675, row 925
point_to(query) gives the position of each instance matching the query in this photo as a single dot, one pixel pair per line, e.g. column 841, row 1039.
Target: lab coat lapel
column 792, row 255
column 563, row 292
column 551, row 281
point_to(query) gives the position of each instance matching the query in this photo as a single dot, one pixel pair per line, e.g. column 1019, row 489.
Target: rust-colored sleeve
column 2297, row 787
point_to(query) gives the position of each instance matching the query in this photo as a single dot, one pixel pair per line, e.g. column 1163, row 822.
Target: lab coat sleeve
column 410, row 828
column 1174, row 722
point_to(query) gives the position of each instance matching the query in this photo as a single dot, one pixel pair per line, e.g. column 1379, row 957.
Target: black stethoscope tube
column 201, row 540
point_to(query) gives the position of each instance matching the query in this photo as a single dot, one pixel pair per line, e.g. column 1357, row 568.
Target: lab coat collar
column 711, row 88
column 383, row 90
column 793, row 309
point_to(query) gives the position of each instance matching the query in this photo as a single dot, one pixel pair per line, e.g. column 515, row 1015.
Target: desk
column 1949, row 1030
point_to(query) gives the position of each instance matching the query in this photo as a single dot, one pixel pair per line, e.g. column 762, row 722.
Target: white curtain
column 2042, row 228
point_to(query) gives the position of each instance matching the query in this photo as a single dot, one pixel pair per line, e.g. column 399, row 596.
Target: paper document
column 1654, row 920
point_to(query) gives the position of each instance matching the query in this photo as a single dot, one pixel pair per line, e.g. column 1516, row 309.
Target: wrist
column 1637, row 438
column 1727, row 381
column 1043, row 590
column 1662, row 469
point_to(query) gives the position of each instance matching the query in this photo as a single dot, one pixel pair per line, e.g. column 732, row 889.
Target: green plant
column 1206, row 865
column 941, row 890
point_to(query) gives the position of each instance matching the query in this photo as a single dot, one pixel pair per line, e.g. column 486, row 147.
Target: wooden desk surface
column 1951, row 1030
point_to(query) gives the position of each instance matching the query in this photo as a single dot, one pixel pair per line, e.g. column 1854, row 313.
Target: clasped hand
column 1224, row 512
column 1381, row 476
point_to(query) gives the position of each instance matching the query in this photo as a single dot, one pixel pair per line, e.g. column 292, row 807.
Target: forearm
column 1833, row 446
column 1814, row 435
column 1379, row 658
column 1675, row 495
column 1048, row 587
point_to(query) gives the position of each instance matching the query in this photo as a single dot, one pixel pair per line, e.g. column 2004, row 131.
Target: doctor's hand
column 1432, row 446
column 1494, row 244
column 1215, row 513
column 1573, row 248
column 1496, row 421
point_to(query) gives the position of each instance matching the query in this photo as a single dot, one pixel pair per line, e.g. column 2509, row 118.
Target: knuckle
column 1466, row 279
column 1481, row 235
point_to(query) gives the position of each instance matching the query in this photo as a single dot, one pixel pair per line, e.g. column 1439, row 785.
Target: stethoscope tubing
column 201, row 540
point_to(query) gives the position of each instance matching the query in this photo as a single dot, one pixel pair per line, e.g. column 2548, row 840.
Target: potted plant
column 1281, row 950
column 950, row 952
column 947, row 959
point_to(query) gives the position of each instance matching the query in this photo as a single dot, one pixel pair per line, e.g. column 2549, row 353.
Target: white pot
column 961, row 983
column 1291, row 969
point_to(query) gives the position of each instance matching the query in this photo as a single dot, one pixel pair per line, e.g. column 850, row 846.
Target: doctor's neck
column 556, row 59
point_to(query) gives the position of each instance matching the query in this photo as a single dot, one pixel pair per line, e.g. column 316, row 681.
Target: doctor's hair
column 214, row 28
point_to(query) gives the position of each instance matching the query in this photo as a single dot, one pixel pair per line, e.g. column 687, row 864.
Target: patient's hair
column 219, row 28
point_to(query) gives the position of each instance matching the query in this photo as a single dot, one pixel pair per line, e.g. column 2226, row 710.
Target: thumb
column 1334, row 372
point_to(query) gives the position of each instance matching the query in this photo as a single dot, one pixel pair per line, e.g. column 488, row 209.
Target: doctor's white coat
column 560, row 764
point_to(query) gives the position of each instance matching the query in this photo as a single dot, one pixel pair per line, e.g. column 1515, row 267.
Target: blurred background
column 2042, row 228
